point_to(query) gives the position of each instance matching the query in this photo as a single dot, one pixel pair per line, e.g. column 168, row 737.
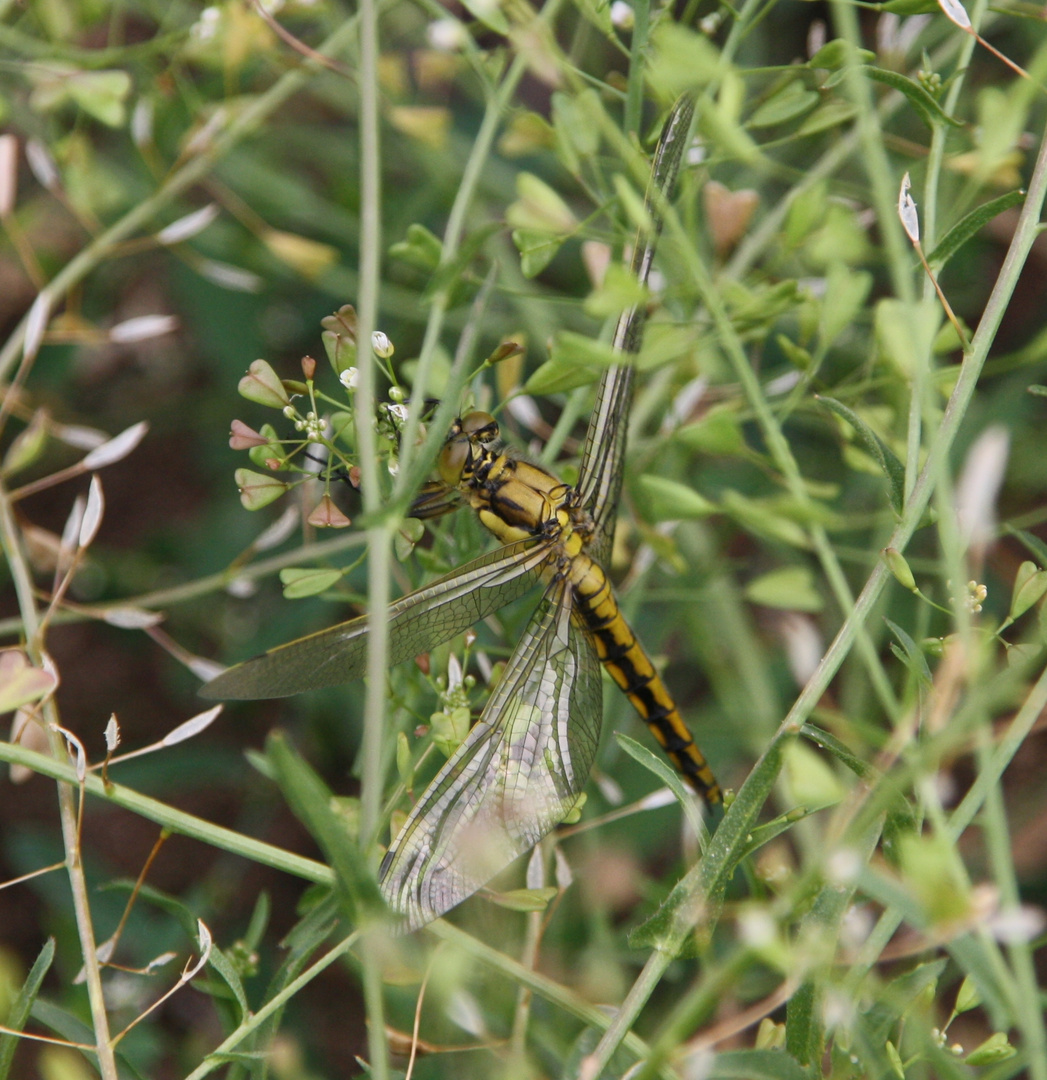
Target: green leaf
column 756, row 1065
column 668, row 500
column 577, row 138
column 538, row 208
column 537, row 250
column 910, row 654
column 229, row 975
column 970, row 224
column 632, row 202
column 792, row 101
column 804, row 1035
column 892, row 468
column 1033, row 544
column 311, row 802
column 299, row 582
column 19, row 1009
column 797, row 355
column 905, row 332
column 667, row 775
column 681, row 59
column 925, row 107
column 845, row 293
column 911, row 7
column 839, row 53
column 524, row 899
column 576, row 360
column 667, row 928
column 1030, row 583
column 421, row 248
column 968, row 997
column 808, row 779
column 831, row 114
column 718, row 432
column 790, row 588
column 619, row 290
column 489, row 12
column 570, row 347
column 995, row 1048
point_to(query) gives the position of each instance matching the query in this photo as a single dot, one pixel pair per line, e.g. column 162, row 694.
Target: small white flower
column 1017, row 925
column 622, row 15
column 381, row 344
column 842, row 867
column 446, row 35
column 205, row 28
column 398, row 413
column 696, row 152
column 350, row 378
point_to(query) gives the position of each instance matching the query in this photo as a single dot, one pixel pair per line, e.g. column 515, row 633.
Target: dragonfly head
column 465, row 445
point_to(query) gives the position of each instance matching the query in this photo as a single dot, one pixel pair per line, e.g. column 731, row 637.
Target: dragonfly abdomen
column 631, row 668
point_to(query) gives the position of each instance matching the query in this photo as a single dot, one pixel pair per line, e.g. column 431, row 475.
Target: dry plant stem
column 11, row 543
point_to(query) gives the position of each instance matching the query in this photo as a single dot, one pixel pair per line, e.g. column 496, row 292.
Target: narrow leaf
column 970, row 224
column 667, row 775
column 893, row 469
column 19, row 1009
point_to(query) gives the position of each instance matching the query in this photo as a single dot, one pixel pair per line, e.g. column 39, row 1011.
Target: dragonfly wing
column 516, row 776
column 417, row 622
column 600, row 474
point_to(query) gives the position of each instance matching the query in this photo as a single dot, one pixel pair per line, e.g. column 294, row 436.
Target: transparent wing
column 515, row 777
column 600, row 475
column 417, row 622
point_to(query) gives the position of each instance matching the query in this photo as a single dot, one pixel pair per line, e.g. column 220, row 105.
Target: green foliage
column 810, row 540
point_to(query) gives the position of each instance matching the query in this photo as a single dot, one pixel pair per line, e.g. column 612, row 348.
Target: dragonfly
column 523, row 765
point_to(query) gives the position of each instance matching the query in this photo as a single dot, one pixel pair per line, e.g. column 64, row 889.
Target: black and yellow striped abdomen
column 518, row 500
column 631, row 668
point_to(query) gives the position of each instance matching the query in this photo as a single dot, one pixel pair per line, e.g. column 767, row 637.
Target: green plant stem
column 67, row 805
column 180, row 594
column 255, row 1020
column 545, row 987
column 637, row 67
column 177, row 821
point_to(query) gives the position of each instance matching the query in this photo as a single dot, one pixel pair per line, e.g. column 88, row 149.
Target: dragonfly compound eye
column 453, row 459
column 481, row 427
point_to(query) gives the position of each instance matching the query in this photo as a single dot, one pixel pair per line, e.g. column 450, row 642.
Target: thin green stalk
column 176, row 821
column 637, row 67
column 191, row 590
column 379, row 535
column 10, row 541
column 542, row 985
column 218, row 1059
